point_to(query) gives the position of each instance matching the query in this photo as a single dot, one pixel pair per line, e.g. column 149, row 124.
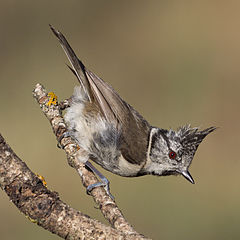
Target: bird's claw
column 104, row 183
column 64, row 135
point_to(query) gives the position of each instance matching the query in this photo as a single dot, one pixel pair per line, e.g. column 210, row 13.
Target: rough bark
column 44, row 207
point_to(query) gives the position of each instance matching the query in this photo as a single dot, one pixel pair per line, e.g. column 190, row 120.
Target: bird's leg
column 104, row 181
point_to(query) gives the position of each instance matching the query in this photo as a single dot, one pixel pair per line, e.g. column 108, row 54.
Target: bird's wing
column 134, row 128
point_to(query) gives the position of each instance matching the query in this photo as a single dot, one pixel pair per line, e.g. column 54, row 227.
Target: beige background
column 176, row 62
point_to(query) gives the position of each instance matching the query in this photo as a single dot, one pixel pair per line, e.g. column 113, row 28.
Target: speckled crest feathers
column 189, row 138
column 187, row 134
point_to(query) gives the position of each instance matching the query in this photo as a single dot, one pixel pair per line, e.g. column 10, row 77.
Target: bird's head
column 171, row 152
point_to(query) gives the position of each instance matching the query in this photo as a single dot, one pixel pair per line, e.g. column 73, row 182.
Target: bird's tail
column 77, row 66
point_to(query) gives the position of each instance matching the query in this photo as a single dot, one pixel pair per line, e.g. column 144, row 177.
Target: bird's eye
column 172, row 155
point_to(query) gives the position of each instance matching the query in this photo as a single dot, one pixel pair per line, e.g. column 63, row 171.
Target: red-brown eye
column 172, row 155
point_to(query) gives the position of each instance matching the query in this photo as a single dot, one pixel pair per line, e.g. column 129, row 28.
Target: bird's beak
column 188, row 176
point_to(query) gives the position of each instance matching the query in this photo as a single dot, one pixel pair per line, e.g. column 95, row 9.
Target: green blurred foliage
column 176, row 62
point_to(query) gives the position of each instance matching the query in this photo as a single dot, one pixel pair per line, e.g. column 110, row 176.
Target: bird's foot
column 64, row 135
column 103, row 183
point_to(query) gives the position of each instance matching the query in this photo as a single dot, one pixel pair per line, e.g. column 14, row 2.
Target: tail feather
column 78, row 67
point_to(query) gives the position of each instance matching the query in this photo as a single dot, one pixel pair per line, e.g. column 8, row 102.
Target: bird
column 116, row 137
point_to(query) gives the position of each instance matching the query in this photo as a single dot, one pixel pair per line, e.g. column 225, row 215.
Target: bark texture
column 44, row 207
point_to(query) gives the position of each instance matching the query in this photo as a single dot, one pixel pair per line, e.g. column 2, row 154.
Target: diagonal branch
column 43, row 206
column 107, row 206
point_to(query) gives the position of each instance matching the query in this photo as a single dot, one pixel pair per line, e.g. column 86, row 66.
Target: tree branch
column 43, row 206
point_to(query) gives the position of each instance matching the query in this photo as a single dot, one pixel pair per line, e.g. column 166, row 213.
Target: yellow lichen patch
column 53, row 99
column 31, row 219
column 42, row 179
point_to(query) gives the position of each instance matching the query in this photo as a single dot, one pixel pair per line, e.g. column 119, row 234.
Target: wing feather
column 135, row 129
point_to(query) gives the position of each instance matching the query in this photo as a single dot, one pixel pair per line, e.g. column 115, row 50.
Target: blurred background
column 176, row 62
